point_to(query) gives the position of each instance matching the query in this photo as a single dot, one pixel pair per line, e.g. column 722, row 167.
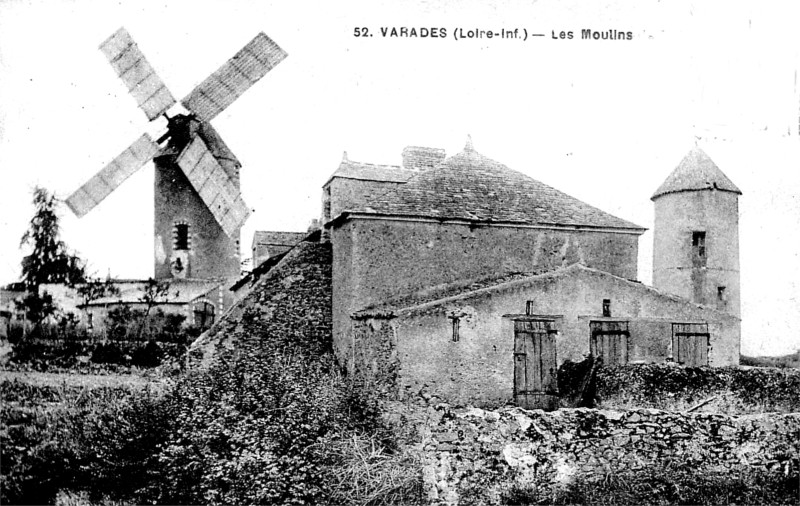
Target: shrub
column 670, row 387
column 251, row 429
column 99, row 440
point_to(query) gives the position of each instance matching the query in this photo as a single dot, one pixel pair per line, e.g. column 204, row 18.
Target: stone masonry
column 481, row 452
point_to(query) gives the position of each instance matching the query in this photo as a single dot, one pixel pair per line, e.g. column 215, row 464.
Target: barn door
column 690, row 344
column 535, row 380
column 609, row 341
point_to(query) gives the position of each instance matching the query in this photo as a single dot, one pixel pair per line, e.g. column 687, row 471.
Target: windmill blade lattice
column 85, row 198
column 236, row 76
column 215, row 188
column 150, row 92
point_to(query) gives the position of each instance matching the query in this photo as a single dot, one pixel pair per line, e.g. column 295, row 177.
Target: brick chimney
column 419, row 158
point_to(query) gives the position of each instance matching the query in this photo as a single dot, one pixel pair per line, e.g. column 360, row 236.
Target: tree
column 93, row 289
column 155, row 293
column 49, row 261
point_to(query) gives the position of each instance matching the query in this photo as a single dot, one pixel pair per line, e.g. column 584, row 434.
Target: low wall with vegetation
column 731, row 390
column 46, row 355
column 516, row 456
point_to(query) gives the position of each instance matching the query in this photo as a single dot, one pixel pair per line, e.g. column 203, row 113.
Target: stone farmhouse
column 463, row 278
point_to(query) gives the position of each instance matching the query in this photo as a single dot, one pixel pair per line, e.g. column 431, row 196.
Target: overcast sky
column 605, row 121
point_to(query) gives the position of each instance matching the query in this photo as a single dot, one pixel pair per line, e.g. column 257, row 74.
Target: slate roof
column 447, row 290
column 444, row 294
column 696, row 172
column 472, row 187
column 349, row 169
column 278, row 238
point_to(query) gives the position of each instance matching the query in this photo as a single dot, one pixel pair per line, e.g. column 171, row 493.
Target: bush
column 253, row 427
column 670, row 387
column 48, row 355
column 99, row 440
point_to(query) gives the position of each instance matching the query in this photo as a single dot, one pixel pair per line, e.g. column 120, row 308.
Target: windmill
column 199, row 209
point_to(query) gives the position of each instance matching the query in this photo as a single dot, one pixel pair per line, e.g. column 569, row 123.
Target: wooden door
column 609, row 341
column 690, row 344
column 535, row 371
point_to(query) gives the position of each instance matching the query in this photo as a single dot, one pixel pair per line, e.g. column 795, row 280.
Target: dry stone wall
column 477, row 456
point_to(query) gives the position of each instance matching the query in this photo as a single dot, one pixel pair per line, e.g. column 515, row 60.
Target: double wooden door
column 535, row 370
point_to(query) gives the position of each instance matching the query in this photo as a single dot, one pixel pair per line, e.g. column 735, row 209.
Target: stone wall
column 478, row 368
column 376, row 260
column 481, row 455
column 677, row 215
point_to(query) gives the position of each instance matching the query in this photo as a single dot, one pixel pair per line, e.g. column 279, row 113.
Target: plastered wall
column 479, row 368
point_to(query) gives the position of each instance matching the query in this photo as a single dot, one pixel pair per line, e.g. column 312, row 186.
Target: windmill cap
column 697, row 171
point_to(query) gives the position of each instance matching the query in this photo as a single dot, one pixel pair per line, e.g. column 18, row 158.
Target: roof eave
column 660, row 193
column 348, row 215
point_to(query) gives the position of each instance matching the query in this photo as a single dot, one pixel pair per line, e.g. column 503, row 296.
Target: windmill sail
column 233, row 78
column 112, row 175
column 151, row 94
column 216, row 189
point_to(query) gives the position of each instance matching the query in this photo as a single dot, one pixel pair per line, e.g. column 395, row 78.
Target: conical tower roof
column 697, row 171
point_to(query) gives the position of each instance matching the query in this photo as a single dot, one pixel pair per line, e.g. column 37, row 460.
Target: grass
column 669, row 485
column 60, row 432
column 72, row 381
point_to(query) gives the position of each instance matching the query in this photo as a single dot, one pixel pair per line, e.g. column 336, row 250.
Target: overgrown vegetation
column 263, row 425
column 102, row 440
column 734, row 390
column 731, row 390
column 270, row 421
column 667, row 485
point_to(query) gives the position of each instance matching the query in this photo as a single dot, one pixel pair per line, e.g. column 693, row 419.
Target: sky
column 603, row 120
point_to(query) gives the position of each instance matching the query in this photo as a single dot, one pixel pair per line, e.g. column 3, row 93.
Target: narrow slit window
column 607, row 308
column 529, row 307
column 721, row 293
column 456, row 335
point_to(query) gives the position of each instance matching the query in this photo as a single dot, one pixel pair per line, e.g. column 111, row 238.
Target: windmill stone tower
column 199, row 210
column 696, row 234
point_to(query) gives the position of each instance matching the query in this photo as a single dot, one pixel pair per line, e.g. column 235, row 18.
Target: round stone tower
column 696, row 234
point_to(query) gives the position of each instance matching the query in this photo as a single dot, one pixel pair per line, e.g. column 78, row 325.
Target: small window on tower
column 607, row 308
column 181, row 236
column 699, row 247
column 722, row 298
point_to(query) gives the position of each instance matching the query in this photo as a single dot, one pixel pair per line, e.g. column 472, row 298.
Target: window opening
column 204, row 315
column 529, row 308
column 607, row 308
column 699, row 247
column 181, row 236
column 456, row 324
